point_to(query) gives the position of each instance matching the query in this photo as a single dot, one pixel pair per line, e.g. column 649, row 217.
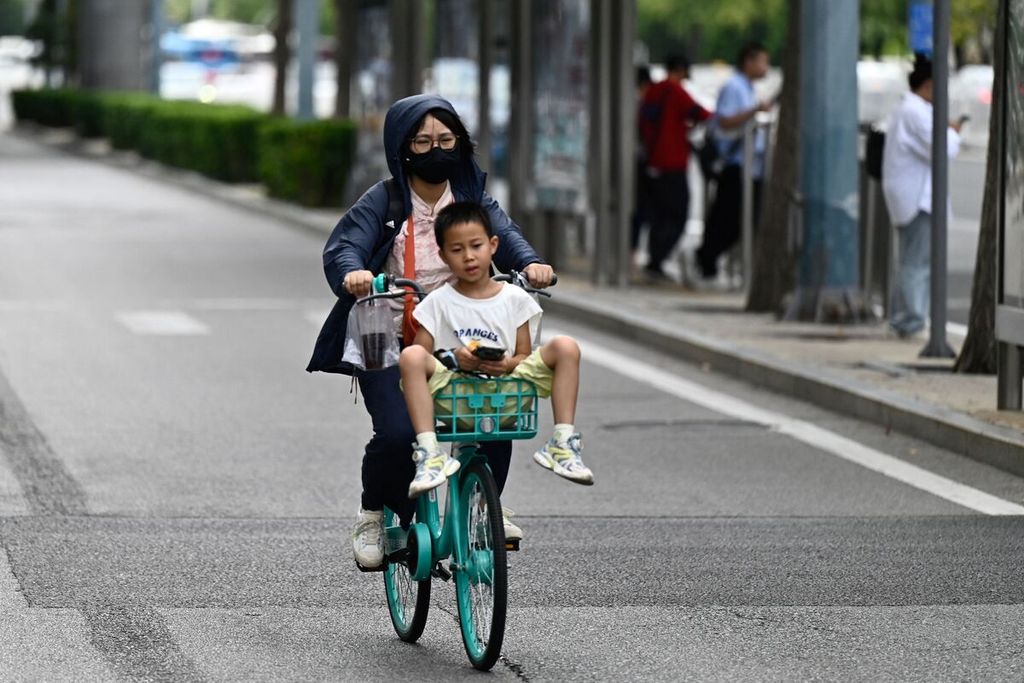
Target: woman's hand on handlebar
column 359, row 283
column 467, row 359
column 540, row 275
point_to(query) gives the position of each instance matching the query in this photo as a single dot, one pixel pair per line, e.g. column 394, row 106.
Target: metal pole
column 1009, row 381
column 625, row 163
column 869, row 236
column 486, row 58
column 156, row 30
column 747, row 220
column 306, row 26
column 937, row 346
column 600, row 156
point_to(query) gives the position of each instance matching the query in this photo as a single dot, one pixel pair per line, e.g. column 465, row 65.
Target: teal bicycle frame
column 469, row 410
column 471, row 533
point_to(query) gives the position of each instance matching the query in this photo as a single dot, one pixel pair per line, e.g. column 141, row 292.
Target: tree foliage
column 709, row 30
column 261, row 12
column 715, row 30
column 12, row 17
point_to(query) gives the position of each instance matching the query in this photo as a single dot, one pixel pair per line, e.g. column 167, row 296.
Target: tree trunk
column 282, row 53
column 774, row 258
column 978, row 354
column 344, row 38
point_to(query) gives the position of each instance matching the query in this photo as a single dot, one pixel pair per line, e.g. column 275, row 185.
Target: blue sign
column 922, row 26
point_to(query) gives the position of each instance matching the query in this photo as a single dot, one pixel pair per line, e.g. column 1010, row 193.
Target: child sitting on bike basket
column 476, row 312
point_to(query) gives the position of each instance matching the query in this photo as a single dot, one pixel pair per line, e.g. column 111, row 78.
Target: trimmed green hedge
column 308, row 163
column 51, row 107
column 124, row 117
column 304, row 162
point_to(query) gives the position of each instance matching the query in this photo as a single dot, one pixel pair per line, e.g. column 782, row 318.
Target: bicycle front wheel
column 481, row 582
column 408, row 600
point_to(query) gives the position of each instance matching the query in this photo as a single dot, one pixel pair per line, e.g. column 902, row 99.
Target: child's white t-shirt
column 455, row 320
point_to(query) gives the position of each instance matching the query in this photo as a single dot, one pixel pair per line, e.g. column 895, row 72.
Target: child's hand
column 467, row 359
column 497, row 368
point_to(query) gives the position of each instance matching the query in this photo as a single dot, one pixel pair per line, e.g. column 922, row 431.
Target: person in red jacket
column 667, row 115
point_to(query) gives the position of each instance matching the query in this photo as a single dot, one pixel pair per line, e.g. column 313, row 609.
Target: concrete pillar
column 306, row 27
column 408, row 53
column 829, row 274
column 112, row 44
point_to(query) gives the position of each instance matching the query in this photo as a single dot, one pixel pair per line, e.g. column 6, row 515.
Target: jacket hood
column 402, row 116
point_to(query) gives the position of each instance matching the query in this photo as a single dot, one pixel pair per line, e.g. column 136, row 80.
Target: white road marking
column 817, row 437
column 11, row 596
column 317, row 317
column 241, row 304
column 956, row 330
column 162, row 323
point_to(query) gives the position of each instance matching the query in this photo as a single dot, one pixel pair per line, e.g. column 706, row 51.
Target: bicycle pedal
column 371, row 570
column 512, row 545
column 439, row 572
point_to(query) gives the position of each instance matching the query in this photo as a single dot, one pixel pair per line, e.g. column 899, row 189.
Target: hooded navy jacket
column 362, row 239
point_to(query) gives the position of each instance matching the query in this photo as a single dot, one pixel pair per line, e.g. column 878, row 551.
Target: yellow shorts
column 532, row 369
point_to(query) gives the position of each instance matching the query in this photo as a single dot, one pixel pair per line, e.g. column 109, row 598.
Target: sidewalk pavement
column 855, row 370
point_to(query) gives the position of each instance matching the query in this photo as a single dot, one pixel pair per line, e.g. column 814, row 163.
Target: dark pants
column 641, row 183
column 669, row 197
column 723, row 225
column 388, row 468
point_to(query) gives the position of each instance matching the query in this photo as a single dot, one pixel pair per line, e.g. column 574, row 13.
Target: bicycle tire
column 408, row 600
column 481, row 583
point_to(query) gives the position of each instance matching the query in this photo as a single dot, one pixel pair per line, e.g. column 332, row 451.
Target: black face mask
column 435, row 166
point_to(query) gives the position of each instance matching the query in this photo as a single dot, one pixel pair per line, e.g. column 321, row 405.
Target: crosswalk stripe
column 162, row 323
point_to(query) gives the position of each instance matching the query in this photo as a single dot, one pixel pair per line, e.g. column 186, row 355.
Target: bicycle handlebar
column 383, row 283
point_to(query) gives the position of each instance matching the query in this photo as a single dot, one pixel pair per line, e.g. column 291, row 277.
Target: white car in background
column 970, row 94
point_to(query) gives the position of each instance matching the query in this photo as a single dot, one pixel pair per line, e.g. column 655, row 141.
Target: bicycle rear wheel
column 408, row 600
column 481, row 583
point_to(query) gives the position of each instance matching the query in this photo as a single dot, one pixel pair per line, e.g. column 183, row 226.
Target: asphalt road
column 176, row 493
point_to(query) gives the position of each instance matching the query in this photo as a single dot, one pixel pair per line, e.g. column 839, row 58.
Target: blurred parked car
column 970, row 94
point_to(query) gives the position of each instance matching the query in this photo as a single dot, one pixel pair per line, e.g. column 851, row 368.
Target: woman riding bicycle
column 430, row 156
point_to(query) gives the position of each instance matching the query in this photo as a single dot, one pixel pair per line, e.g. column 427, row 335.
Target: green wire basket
column 486, row 409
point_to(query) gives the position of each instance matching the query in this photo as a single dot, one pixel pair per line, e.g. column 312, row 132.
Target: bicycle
column 471, row 531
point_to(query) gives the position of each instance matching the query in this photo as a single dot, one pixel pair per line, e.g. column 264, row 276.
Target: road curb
column 991, row 444
column 987, row 443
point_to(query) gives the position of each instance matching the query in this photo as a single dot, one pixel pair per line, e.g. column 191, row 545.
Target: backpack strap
column 396, row 202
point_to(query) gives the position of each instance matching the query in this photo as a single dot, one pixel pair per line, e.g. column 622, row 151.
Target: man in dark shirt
column 667, row 115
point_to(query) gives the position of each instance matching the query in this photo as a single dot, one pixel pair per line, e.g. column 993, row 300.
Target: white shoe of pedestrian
column 368, row 538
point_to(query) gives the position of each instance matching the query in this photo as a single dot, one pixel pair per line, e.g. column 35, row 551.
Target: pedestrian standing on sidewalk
column 907, row 185
column 737, row 105
column 390, row 229
column 640, row 203
column 667, row 115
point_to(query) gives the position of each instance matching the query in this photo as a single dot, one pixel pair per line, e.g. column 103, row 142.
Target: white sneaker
column 432, row 469
column 512, row 531
column 564, row 460
column 368, row 538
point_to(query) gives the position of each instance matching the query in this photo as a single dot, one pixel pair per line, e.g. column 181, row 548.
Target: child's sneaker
column 432, row 468
column 368, row 539
column 564, row 459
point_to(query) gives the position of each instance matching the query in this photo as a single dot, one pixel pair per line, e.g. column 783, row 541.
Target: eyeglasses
column 421, row 144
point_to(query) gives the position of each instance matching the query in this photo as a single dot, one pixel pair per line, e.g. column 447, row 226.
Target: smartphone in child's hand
column 488, row 353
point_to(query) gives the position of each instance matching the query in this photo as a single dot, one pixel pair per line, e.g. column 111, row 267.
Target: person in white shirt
column 475, row 312
column 907, row 185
